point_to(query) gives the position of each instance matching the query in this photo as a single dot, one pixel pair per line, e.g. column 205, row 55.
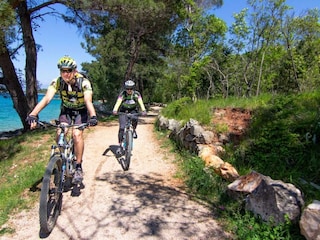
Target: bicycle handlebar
column 63, row 125
column 129, row 114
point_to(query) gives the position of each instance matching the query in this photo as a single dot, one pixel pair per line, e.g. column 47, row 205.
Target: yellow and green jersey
column 129, row 102
column 72, row 96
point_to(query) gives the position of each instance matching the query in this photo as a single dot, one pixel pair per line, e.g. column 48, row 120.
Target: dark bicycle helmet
column 67, row 62
column 129, row 84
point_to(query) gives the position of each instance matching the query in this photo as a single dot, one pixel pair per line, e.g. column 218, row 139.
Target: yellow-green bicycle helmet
column 67, row 62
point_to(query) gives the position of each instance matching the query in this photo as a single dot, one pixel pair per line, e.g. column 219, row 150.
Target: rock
column 273, row 199
column 174, row 125
column 196, row 129
column 270, row 199
column 224, row 169
column 207, row 137
column 247, row 183
column 162, row 122
column 244, row 185
column 10, row 134
column 227, row 172
column 310, row 221
column 211, row 160
column 224, row 139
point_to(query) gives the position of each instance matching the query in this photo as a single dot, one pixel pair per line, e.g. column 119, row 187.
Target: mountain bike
column 126, row 144
column 58, row 175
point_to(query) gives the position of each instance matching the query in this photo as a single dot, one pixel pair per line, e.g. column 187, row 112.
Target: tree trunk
column 260, row 75
column 13, row 85
column 134, row 53
column 31, row 55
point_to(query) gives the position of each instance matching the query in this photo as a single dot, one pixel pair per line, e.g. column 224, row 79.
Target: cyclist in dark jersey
column 129, row 100
column 76, row 97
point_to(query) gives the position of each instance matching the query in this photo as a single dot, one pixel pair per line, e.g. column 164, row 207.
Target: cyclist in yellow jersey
column 76, row 102
column 128, row 100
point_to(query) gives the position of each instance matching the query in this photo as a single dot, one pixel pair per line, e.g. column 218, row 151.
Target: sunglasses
column 129, row 89
column 66, row 70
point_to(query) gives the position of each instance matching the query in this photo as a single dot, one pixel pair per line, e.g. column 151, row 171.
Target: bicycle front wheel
column 51, row 194
column 70, row 164
column 128, row 149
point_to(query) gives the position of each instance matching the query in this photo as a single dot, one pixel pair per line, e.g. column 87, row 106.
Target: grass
column 282, row 142
column 201, row 110
column 23, row 160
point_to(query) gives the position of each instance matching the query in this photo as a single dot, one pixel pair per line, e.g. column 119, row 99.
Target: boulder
column 268, row 198
column 310, row 221
column 273, row 199
column 224, row 169
column 162, row 122
column 227, row 172
column 206, row 137
column 244, row 185
column 174, row 125
column 206, row 153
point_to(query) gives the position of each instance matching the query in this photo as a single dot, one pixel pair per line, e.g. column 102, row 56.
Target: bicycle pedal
column 75, row 192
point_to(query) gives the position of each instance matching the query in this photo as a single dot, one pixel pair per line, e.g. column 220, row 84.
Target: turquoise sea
column 9, row 118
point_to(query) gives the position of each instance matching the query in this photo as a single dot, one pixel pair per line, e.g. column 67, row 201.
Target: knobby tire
column 128, row 149
column 51, row 195
column 70, row 167
column 73, row 160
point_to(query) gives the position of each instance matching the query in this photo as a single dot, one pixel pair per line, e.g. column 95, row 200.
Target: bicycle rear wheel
column 128, row 150
column 51, row 195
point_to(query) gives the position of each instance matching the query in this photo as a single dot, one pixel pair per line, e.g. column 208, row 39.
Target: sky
column 58, row 38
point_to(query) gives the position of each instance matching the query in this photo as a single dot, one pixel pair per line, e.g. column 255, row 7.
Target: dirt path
column 142, row 203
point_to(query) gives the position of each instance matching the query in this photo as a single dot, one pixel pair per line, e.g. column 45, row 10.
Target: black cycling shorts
column 70, row 116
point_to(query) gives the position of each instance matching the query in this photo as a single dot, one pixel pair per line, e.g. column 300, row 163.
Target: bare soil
column 145, row 202
column 236, row 119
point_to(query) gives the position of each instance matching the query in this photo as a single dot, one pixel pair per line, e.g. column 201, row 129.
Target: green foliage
column 185, row 54
column 130, row 44
column 197, row 180
column 248, row 227
column 6, row 15
column 10, row 147
column 200, row 180
column 7, row 19
column 282, row 140
column 184, row 109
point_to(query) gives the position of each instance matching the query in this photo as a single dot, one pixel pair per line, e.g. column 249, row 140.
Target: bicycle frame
column 128, row 126
column 65, row 147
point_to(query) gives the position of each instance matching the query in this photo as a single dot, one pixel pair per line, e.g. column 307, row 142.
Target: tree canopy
column 171, row 49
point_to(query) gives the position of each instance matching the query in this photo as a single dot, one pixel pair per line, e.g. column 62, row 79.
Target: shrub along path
column 146, row 202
